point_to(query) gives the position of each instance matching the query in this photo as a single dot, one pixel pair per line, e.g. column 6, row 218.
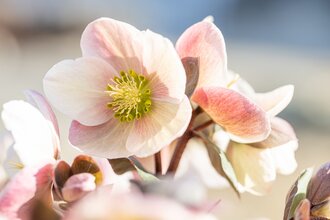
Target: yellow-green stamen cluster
column 131, row 96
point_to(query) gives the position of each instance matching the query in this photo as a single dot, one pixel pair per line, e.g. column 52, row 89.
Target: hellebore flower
column 125, row 95
column 247, row 117
column 36, row 142
column 102, row 204
column 242, row 119
column 312, row 202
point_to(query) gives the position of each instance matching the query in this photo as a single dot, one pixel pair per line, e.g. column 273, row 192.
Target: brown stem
column 204, row 125
column 158, row 163
column 182, row 143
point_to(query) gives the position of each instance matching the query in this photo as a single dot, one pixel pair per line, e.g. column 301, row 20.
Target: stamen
column 233, row 81
column 131, row 96
column 16, row 165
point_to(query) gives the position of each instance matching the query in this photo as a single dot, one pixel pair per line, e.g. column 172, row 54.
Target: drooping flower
column 125, row 95
column 102, row 204
column 245, row 117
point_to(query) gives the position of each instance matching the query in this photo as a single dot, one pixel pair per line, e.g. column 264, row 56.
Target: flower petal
column 17, row 192
column 103, row 204
column 28, row 185
column 196, row 156
column 107, row 140
column 6, row 140
column 163, row 65
column 205, row 41
column 108, row 175
column 35, row 137
column 275, row 101
column 284, row 157
column 76, row 88
column 39, row 101
column 254, row 168
column 165, row 123
column 240, row 117
column 281, row 133
column 118, row 43
column 77, row 186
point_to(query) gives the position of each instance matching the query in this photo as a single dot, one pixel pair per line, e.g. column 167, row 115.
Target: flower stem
column 204, row 125
column 182, row 143
column 158, row 163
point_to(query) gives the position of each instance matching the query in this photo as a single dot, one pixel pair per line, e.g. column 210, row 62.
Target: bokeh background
column 270, row 43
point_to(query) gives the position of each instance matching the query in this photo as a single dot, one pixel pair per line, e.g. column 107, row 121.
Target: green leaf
column 301, row 187
column 145, row 176
column 220, row 162
column 123, row 165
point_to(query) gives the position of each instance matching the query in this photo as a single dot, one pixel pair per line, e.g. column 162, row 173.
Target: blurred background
column 270, row 43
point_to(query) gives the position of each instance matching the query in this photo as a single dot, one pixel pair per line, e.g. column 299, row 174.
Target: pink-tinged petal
column 34, row 135
column 195, row 156
column 205, row 41
column 275, row 101
column 18, row 195
column 244, row 121
column 102, row 204
column 281, row 133
column 18, row 191
column 107, row 140
column 78, row 186
column 284, row 157
column 77, row 88
column 39, row 101
column 164, row 68
column 254, row 168
column 118, row 43
column 108, row 175
column 164, row 123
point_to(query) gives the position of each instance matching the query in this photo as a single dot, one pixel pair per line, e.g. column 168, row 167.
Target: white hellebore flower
column 125, row 95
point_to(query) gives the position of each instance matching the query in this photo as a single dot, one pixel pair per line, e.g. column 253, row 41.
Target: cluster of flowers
column 142, row 110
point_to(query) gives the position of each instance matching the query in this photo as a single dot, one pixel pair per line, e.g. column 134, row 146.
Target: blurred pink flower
column 36, row 142
column 102, row 204
column 30, row 184
column 126, row 94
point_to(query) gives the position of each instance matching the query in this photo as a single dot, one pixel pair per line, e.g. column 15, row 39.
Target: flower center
column 131, row 96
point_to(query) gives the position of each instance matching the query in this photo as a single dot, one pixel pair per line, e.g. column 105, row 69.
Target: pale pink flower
column 125, row 95
column 256, row 164
column 244, row 115
column 102, row 204
column 246, row 120
column 36, row 142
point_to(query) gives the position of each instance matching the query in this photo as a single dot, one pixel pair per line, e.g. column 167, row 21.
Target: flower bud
column 313, row 202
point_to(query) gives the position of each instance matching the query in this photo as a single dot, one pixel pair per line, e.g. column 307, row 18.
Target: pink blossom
column 125, row 95
column 35, row 132
column 102, row 204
